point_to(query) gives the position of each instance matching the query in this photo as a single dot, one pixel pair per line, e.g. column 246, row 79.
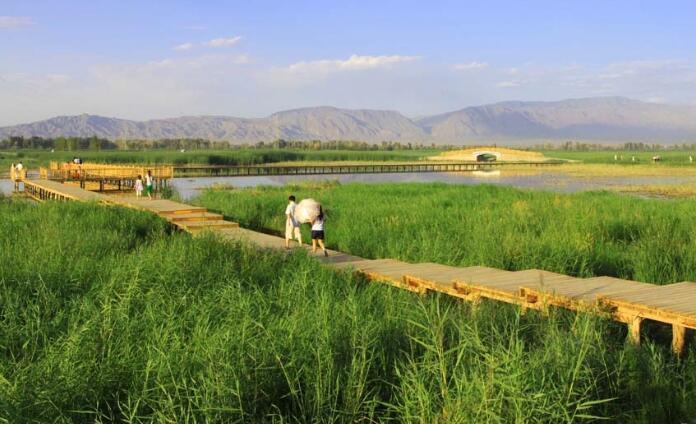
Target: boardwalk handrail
column 349, row 168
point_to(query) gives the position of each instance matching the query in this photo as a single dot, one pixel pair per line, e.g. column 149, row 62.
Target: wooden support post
column 634, row 330
column 678, row 338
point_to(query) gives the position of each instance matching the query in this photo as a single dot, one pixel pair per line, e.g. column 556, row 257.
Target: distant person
column 615, row 158
column 148, row 184
column 691, row 159
column 292, row 226
column 318, row 233
column 633, row 158
column 139, row 187
column 18, row 171
column 12, row 172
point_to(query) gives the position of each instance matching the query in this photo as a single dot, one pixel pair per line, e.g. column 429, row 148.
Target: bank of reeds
column 583, row 234
column 108, row 315
column 36, row 158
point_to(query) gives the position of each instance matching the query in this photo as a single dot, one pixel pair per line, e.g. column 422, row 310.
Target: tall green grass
column 584, row 234
column 668, row 157
column 36, row 158
column 108, row 316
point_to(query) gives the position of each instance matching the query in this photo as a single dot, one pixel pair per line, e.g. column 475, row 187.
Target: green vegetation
column 668, row 157
column 115, row 318
column 584, row 234
column 36, row 158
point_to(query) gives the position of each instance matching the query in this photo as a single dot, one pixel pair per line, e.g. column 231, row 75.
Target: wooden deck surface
column 623, row 300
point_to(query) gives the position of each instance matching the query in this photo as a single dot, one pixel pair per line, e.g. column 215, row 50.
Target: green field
column 36, row 158
column 668, row 157
column 116, row 318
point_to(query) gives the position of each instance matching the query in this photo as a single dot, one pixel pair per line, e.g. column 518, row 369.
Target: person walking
column 318, row 233
column 292, row 226
column 148, row 184
column 139, row 187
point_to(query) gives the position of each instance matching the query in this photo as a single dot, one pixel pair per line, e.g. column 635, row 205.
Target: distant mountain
column 605, row 119
column 612, row 118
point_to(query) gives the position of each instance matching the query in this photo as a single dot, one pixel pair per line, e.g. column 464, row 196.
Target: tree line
column 97, row 143
column 577, row 146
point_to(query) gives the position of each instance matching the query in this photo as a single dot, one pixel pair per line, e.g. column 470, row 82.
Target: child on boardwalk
column 139, row 187
column 318, row 233
column 292, row 227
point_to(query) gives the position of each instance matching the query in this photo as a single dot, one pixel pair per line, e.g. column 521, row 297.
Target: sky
column 156, row 59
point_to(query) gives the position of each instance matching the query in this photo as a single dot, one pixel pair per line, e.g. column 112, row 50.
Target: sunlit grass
column 584, row 234
column 109, row 316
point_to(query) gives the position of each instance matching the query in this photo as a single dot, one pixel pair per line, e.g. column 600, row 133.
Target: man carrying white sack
column 292, row 226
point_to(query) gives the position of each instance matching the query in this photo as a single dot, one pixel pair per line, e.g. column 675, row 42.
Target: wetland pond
column 540, row 180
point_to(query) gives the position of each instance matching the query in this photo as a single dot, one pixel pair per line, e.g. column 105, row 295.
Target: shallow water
column 551, row 181
column 543, row 180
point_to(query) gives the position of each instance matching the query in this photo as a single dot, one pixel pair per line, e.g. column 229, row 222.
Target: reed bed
column 583, row 234
column 110, row 316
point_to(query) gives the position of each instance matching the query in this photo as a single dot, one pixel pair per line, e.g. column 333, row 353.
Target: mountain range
column 600, row 119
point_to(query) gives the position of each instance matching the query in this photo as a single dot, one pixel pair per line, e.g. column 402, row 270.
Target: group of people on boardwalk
column 148, row 187
column 292, row 227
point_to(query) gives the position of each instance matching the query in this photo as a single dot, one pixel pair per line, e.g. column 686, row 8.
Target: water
column 543, row 180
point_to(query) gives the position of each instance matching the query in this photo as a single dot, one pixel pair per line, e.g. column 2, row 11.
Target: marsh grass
column 36, row 158
column 109, row 316
column 584, row 234
column 668, row 157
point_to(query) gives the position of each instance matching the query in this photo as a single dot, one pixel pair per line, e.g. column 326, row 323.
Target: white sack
column 306, row 211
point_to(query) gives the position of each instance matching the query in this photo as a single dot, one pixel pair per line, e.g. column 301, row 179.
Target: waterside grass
column 583, row 234
column 36, row 158
column 108, row 315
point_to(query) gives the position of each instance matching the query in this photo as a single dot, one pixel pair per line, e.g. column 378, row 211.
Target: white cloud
column 222, row 42
column 507, row 84
column 353, row 63
column 471, row 66
column 184, row 46
column 215, row 43
column 10, row 22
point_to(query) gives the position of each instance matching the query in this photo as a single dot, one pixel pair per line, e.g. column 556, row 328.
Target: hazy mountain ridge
column 612, row 118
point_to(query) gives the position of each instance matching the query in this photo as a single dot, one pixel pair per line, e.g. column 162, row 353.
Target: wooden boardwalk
column 629, row 302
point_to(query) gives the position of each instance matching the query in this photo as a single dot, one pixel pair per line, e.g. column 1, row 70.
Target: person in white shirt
column 292, row 227
column 148, row 184
column 318, row 233
column 18, row 171
column 139, row 187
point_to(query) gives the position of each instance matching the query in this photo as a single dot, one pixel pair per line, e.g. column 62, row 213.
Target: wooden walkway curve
column 629, row 302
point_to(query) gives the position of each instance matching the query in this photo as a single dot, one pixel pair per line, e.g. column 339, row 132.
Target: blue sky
column 154, row 59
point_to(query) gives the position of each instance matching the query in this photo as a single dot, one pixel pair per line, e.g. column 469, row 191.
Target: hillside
column 605, row 119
